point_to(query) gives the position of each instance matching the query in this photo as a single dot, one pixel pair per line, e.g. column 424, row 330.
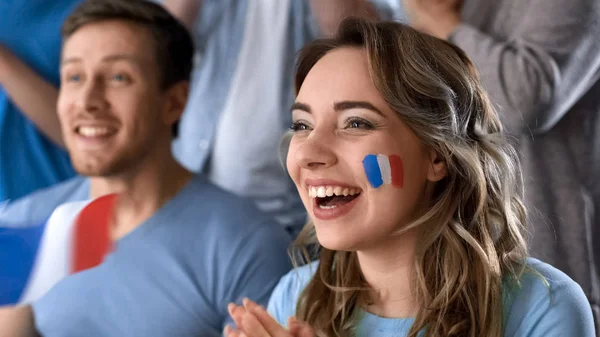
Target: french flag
column 381, row 169
column 74, row 238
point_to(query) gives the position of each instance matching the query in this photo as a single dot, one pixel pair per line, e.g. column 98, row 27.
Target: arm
column 17, row 322
column 31, row 93
column 330, row 13
column 185, row 10
column 536, row 75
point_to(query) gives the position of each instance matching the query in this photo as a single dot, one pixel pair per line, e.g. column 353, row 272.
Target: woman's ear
column 176, row 100
column 438, row 169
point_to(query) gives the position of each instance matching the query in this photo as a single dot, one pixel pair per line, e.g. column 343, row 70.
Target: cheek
column 65, row 107
column 291, row 164
column 381, row 169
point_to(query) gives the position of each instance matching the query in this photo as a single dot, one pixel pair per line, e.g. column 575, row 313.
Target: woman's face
column 340, row 119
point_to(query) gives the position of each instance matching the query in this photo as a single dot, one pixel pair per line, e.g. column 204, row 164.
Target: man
column 540, row 62
column 31, row 153
column 183, row 248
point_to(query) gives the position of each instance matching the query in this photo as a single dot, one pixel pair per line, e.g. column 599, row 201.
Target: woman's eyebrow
column 348, row 105
column 300, row 106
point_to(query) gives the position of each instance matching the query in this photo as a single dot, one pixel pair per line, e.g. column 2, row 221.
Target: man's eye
column 73, row 78
column 120, row 78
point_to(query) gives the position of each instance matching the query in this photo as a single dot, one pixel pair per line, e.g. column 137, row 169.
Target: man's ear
column 438, row 169
column 176, row 99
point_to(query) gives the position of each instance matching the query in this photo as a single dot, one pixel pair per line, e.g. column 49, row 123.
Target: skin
column 19, row 81
column 330, row 142
column 435, row 17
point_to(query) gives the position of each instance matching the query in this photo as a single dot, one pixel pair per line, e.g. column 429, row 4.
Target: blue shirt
column 174, row 274
column 36, row 207
column 28, row 160
column 533, row 310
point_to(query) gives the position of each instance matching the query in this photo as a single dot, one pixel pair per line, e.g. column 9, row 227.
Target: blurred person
column 182, row 248
column 414, row 197
column 31, row 153
column 540, row 62
column 242, row 90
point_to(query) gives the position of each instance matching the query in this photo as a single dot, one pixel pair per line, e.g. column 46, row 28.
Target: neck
column 142, row 190
column 388, row 269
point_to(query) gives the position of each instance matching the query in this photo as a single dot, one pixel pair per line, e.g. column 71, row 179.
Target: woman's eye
column 358, row 123
column 299, row 126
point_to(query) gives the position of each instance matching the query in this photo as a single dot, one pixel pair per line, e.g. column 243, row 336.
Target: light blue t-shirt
column 175, row 274
column 533, row 310
column 30, row 29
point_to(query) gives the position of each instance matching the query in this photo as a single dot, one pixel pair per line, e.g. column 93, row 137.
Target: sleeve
column 561, row 310
column 256, row 267
column 548, row 62
column 282, row 303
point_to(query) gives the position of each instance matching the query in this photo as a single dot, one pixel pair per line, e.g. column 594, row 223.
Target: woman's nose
column 314, row 153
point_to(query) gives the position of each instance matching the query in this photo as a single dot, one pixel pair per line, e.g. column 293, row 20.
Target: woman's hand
column 253, row 320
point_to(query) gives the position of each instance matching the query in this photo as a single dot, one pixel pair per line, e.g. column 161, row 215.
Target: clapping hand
column 253, row 320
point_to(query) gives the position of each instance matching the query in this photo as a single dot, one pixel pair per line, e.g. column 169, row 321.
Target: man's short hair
column 173, row 43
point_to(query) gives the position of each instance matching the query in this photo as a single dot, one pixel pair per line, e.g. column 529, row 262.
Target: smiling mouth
column 94, row 131
column 331, row 197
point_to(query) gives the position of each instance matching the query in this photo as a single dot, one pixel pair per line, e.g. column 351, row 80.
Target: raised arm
column 548, row 62
column 329, row 13
column 185, row 10
column 35, row 97
column 17, row 322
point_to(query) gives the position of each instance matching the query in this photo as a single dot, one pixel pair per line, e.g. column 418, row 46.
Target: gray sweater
column 540, row 62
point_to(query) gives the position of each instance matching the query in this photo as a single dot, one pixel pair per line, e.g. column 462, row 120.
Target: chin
column 332, row 240
column 94, row 169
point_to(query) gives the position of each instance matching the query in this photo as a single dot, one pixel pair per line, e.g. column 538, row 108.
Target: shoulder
column 239, row 233
column 284, row 298
column 546, row 303
column 228, row 212
column 36, row 207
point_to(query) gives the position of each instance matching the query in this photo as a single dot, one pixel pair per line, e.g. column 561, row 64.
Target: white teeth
column 91, row 131
column 326, row 207
column 321, row 192
column 337, row 190
column 329, row 191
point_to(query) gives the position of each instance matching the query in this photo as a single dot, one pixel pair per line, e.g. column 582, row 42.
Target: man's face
column 111, row 107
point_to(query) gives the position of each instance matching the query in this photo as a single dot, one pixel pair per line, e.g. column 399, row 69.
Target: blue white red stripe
column 381, row 169
column 34, row 259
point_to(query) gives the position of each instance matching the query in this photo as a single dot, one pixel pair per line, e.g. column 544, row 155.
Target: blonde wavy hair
column 473, row 232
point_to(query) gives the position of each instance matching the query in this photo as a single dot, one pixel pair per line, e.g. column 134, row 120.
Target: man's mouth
column 95, row 131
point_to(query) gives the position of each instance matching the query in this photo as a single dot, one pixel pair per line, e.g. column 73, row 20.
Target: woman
column 413, row 193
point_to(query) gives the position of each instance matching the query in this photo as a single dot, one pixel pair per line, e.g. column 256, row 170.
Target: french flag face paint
column 381, row 169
